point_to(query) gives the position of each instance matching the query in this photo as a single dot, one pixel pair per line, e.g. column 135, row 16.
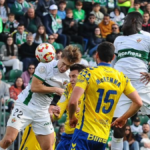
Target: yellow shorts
column 29, row 141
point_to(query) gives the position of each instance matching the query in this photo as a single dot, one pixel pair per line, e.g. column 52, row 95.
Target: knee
column 16, row 61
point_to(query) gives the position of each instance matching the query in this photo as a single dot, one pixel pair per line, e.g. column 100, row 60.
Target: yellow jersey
column 63, row 104
column 103, row 87
column 29, row 141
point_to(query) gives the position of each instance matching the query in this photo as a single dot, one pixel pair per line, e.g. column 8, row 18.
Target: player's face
column 63, row 65
column 73, row 77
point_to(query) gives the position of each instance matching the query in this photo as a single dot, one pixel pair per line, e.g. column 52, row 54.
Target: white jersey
column 50, row 75
column 136, row 129
column 132, row 54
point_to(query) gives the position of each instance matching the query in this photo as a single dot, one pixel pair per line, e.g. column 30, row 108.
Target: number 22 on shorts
column 106, row 100
column 18, row 113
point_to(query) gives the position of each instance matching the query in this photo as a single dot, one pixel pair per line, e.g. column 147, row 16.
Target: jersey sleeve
column 41, row 71
column 128, row 88
column 83, row 79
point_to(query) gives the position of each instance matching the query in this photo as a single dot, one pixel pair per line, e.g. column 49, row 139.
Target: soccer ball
column 45, row 53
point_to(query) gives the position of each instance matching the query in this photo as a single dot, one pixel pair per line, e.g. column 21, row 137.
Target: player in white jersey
column 132, row 55
column 33, row 102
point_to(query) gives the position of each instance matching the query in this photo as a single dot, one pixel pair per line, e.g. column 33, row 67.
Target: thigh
column 46, row 141
column 8, row 62
column 20, row 117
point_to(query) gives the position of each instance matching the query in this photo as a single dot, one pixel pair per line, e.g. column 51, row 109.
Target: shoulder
column 3, row 46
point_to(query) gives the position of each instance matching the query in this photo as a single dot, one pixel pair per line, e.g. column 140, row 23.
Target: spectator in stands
column 4, row 91
column 17, row 88
column 145, row 141
column 89, row 27
column 27, row 75
column 117, row 16
column 1, row 25
column 92, row 63
column 70, row 28
column 61, row 12
column 9, row 54
column 79, row 13
column 129, row 140
column 136, row 127
column 43, row 7
column 147, row 9
column 136, row 7
column 146, row 22
column 51, row 40
column 27, row 52
column 19, row 35
column 53, row 25
column 11, row 24
column 115, row 33
column 4, row 10
column 31, row 21
column 58, row 54
column 106, row 26
column 146, row 130
column 96, row 38
column 40, row 36
column 98, row 15
column 60, row 132
column 19, row 8
column 125, row 5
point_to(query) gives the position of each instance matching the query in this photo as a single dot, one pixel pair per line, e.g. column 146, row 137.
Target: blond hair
column 71, row 53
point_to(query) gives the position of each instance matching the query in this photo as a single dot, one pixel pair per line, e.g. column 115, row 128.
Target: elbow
column 140, row 103
column 72, row 103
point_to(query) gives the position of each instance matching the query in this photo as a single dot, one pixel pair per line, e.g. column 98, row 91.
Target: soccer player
column 29, row 137
column 33, row 103
column 132, row 52
column 63, row 105
column 102, row 87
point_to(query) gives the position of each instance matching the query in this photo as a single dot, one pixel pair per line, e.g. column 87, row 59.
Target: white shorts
column 22, row 116
column 124, row 102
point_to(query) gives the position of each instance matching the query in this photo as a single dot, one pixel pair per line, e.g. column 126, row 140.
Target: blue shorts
column 85, row 141
column 65, row 142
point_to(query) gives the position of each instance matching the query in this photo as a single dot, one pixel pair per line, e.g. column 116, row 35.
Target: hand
column 19, row 45
column 145, row 77
column 78, row 109
column 119, row 122
column 72, row 23
column 73, row 122
column 59, row 91
column 55, row 36
column 56, row 111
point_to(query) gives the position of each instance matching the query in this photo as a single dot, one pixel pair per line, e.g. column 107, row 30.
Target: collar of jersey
column 104, row 64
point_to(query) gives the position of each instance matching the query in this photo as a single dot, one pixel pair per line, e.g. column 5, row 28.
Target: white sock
column 2, row 149
column 117, row 143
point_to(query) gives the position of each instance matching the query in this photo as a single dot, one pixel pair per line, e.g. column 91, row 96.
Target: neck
column 61, row 9
column 54, row 16
column 145, row 22
column 1, row 5
column 29, row 43
column 19, row 88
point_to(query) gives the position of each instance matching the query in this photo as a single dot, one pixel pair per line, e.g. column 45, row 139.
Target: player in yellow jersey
column 102, row 87
column 63, row 104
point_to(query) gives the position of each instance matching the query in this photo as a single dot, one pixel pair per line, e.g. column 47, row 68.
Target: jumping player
column 102, row 87
column 63, row 104
column 33, row 103
column 132, row 52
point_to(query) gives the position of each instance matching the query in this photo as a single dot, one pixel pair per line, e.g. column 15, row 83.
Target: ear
column 97, row 57
column 113, row 57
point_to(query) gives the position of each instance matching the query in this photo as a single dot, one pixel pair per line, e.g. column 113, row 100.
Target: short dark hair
column 62, row 2
column 78, row 67
column 79, row 3
column 58, row 51
column 106, row 51
column 11, row 14
column 146, row 12
column 96, row 4
column 137, row 2
column 69, row 11
column 20, row 25
column 106, row 15
column 91, row 15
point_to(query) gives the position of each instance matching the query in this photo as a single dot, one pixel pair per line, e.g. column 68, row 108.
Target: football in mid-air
column 45, row 53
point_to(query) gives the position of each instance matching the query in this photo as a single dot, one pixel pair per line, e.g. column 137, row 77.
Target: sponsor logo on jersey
column 96, row 138
column 42, row 69
column 65, row 82
column 139, row 40
column 47, row 123
column 13, row 120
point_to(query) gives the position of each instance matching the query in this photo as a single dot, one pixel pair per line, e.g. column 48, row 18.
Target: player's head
column 70, row 55
column 132, row 23
column 105, row 52
column 74, row 72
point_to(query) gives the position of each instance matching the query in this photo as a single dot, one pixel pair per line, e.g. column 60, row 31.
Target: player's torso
column 53, row 79
column 101, row 96
column 68, row 129
column 133, row 54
